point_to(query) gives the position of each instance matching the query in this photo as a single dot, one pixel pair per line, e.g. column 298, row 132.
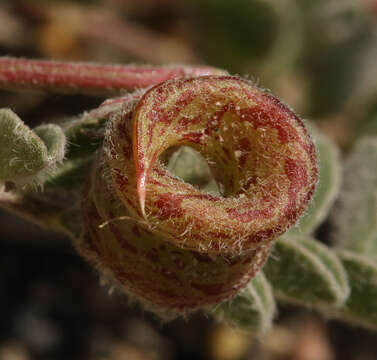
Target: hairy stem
column 87, row 77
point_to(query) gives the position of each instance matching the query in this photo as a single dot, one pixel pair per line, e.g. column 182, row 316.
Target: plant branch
column 89, row 78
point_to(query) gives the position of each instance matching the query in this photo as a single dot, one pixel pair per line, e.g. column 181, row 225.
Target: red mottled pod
column 170, row 244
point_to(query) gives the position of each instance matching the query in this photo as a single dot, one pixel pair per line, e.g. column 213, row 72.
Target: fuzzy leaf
column 54, row 140
column 355, row 216
column 253, row 309
column 328, row 186
column 85, row 136
column 361, row 306
column 28, row 156
column 304, row 271
column 22, row 153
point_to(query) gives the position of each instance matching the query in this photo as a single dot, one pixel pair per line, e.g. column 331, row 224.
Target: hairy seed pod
column 174, row 246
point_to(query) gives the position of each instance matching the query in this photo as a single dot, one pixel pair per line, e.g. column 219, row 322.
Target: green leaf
column 252, row 309
column 328, row 186
column 355, row 216
column 54, row 140
column 304, row 271
column 85, row 135
column 22, row 153
column 361, row 306
column 27, row 156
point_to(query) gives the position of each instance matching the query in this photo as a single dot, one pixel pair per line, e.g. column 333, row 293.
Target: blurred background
column 318, row 56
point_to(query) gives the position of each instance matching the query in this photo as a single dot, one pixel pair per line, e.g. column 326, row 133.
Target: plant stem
column 89, row 77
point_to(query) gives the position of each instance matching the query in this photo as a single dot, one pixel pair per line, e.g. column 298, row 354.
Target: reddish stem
column 87, row 77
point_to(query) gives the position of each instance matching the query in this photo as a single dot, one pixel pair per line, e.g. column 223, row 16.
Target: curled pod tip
column 258, row 150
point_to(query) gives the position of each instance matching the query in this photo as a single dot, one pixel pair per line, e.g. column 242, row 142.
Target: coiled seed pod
column 174, row 246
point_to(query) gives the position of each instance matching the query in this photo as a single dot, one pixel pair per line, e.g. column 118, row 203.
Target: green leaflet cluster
column 33, row 159
column 26, row 156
